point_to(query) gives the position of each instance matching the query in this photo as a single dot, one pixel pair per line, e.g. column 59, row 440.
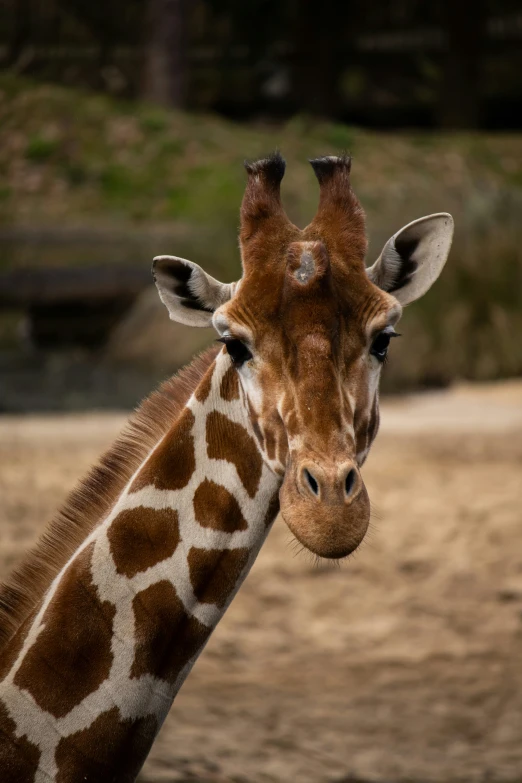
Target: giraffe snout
column 326, row 506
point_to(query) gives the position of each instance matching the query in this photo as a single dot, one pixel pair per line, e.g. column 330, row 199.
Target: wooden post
column 165, row 67
column 459, row 101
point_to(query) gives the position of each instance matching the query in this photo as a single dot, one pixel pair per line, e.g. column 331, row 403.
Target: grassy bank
column 70, row 159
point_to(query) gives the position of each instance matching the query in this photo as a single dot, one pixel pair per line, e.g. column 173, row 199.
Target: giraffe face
column 307, row 329
column 309, row 350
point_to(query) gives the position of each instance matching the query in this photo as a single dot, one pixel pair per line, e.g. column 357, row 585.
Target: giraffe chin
column 332, row 531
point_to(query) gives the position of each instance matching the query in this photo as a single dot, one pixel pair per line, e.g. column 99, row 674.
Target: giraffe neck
column 93, row 673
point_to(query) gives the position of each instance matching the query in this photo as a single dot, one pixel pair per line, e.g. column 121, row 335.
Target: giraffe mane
column 95, row 495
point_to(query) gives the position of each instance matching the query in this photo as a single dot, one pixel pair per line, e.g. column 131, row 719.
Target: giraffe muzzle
column 326, row 507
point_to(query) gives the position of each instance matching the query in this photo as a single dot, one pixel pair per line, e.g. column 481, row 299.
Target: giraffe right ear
column 188, row 293
column 414, row 257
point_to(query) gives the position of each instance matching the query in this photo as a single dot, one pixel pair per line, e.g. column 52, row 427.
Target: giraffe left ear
column 414, row 257
column 188, row 293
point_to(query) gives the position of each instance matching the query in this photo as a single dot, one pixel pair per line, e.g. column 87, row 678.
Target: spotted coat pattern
column 93, row 673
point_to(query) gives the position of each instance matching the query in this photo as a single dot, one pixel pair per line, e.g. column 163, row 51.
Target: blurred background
column 123, row 129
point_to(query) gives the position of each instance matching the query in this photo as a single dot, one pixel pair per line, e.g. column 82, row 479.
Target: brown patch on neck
column 367, row 427
column 13, row 646
column 270, row 443
column 174, row 461
column 214, row 573
column 72, row 655
column 167, row 638
column 203, row 389
column 217, row 508
column 254, row 419
column 19, row 758
column 92, row 500
column 229, row 389
column 141, row 537
column 110, row 749
column 273, row 509
column 230, row 441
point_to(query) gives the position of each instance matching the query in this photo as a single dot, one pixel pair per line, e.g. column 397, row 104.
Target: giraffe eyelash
column 237, row 350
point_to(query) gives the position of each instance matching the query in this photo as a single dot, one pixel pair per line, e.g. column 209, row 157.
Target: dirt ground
column 404, row 664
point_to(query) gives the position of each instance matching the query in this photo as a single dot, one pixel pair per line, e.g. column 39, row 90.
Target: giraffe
column 101, row 624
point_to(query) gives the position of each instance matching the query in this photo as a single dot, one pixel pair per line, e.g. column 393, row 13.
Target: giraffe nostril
column 312, row 483
column 349, row 482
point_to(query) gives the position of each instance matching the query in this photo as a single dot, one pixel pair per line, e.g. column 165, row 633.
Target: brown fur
column 215, row 572
column 273, row 509
column 19, row 758
column 78, row 659
column 92, row 500
column 13, row 646
column 141, row 537
column 217, row 508
column 173, row 462
column 203, row 389
column 228, row 440
column 340, row 220
column 110, row 749
column 167, row 637
column 229, row 389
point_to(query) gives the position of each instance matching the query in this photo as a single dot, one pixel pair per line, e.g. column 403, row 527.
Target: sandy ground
column 405, row 664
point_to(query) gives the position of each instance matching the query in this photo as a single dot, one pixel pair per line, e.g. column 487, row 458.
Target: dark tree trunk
column 165, row 67
column 315, row 57
column 21, row 31
column 459, row 104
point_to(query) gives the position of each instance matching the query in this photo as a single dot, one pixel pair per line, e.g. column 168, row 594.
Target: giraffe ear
column 414, row 257
column 188, row 293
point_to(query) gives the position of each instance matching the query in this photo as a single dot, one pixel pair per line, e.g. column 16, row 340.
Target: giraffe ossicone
column 100, row 626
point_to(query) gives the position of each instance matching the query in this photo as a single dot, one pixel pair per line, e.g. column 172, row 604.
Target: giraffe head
column 307, row 328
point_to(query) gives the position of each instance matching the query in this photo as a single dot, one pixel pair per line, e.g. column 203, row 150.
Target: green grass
column 84, row 159
column 40, row 149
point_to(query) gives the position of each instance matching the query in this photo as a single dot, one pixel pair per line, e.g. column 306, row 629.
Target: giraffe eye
column 237, row 350
column 381, row 343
